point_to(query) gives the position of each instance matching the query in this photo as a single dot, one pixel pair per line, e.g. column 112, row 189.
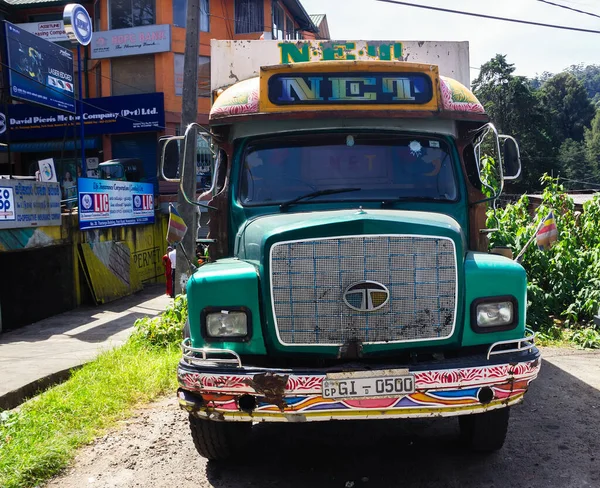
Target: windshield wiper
column 390, row 201
column 331, row 191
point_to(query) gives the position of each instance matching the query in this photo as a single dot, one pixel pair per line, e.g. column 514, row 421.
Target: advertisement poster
column 106, row 115
column 40, row 71
column 146, row 39
column 110, row 203
column 25, row 203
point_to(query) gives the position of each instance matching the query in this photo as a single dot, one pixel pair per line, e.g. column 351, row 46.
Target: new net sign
column 39, row 71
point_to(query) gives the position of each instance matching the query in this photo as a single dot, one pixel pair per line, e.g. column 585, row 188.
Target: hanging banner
column 39, row 71
column 111, row 203
column 25, row 203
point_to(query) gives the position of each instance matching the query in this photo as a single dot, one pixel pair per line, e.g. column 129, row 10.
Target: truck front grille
column 309, row 279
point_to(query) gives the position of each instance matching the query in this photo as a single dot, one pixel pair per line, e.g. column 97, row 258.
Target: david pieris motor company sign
column 132, row 41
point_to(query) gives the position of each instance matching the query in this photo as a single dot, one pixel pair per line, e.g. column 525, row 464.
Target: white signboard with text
column 53, row 30
column 239, row 60
column 147, row 39
column 25, row 203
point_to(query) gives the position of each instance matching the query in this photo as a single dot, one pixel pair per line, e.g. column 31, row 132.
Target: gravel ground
column 553, row 441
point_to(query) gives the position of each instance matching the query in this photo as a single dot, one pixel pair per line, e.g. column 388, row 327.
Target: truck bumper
column 468, row 385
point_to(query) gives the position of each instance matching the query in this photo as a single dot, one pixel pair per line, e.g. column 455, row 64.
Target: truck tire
column 484, row 432
column 218, row 441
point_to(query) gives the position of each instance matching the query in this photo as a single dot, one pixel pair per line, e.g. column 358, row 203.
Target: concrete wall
column 49, row 270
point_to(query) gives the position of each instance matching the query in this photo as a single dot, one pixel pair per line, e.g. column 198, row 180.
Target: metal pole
column 187, row 168
column 79, row 68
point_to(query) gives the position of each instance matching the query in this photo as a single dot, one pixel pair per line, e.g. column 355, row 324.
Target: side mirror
column 170, row 150
column 511, row 157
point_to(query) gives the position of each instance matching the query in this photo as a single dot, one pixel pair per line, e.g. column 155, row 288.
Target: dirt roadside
column 554, row 441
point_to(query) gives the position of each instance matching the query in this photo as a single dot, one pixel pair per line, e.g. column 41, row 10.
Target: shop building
column 136, row 55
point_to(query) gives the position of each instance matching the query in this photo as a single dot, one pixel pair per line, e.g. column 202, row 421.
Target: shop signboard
column 39, row 71
column 107, row 115
column 53, row 31
column 112, row 203
column 26, row 203
column 132, row 41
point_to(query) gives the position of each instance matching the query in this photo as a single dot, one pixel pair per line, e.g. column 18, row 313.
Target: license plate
column 369, row 384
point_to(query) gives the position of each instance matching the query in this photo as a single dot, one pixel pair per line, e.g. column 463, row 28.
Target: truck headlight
column 495, row 314
column 225, row 323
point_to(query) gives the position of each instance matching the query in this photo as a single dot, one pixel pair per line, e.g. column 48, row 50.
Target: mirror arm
column 190, row 131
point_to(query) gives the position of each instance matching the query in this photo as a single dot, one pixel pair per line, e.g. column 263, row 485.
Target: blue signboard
column 350, row 88
column 39, row 71
column 111, row 203
column 106, row 115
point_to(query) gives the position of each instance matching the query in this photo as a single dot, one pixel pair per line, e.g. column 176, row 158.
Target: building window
column 203, row 75
column 289, row 29
column 131, row 13
column 249, row 16
column 180, row 14
column 132, row 75
column 278, row 21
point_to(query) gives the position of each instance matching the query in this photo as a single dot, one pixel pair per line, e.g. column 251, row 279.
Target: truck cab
column 349, row 274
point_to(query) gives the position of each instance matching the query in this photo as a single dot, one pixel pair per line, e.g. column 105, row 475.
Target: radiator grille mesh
column 309, row 279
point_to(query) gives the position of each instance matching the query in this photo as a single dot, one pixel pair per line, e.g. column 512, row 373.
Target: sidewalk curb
column 14, row 398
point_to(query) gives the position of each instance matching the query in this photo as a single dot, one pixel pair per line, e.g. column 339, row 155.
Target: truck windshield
column 385, row 168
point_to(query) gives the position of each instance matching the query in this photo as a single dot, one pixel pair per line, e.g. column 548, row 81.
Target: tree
column 592, row 145
column 573, row 164
column 590, row 77
column 516, row 110
column 567, row 100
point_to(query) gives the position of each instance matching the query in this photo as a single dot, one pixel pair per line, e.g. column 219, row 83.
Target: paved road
column 554, row 442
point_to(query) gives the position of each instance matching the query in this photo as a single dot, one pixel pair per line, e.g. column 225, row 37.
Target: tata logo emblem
column 366, row 296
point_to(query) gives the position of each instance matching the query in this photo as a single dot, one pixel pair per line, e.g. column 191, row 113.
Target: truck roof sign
column 233, row 61
column 344, row 88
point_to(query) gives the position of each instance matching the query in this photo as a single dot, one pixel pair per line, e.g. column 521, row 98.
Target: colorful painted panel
column 241, row 98
column 458, row 98
column 439, row 391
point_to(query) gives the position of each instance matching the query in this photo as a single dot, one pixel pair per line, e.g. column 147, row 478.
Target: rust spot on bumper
column 271, row 386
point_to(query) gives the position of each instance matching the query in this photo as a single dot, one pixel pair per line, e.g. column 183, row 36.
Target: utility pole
column 187, row 168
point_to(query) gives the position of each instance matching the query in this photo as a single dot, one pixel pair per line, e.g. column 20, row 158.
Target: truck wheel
column 484, row 432
column 218, row 441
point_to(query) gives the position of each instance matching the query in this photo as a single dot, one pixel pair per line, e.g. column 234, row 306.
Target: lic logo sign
column 143, row 203
column 7, row 204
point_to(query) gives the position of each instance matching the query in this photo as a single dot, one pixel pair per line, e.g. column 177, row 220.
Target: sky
column 531, row 49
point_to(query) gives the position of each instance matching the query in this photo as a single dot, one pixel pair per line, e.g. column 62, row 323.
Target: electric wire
column 491, row 17
column 569, row 8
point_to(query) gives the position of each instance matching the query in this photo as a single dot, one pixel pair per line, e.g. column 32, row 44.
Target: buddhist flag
column 177, row 228
column 547, row 234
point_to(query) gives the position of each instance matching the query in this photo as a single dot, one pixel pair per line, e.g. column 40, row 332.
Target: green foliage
column 564, row 282
column 166, row 330
column 571, row 109
column 40, row 439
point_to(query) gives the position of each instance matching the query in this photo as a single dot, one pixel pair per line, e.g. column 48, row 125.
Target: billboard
column 106, row 115
column 40, row 71
column 25, row 203
column 111, row 203
column 132, row 41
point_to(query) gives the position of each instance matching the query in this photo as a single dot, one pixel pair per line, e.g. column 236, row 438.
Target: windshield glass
column 112, row 171
column 382, row 168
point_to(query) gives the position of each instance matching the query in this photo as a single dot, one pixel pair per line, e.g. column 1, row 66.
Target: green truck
column 349, row 274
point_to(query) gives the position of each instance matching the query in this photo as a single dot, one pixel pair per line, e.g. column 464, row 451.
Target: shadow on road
column 553, row 442
column 91, row 324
